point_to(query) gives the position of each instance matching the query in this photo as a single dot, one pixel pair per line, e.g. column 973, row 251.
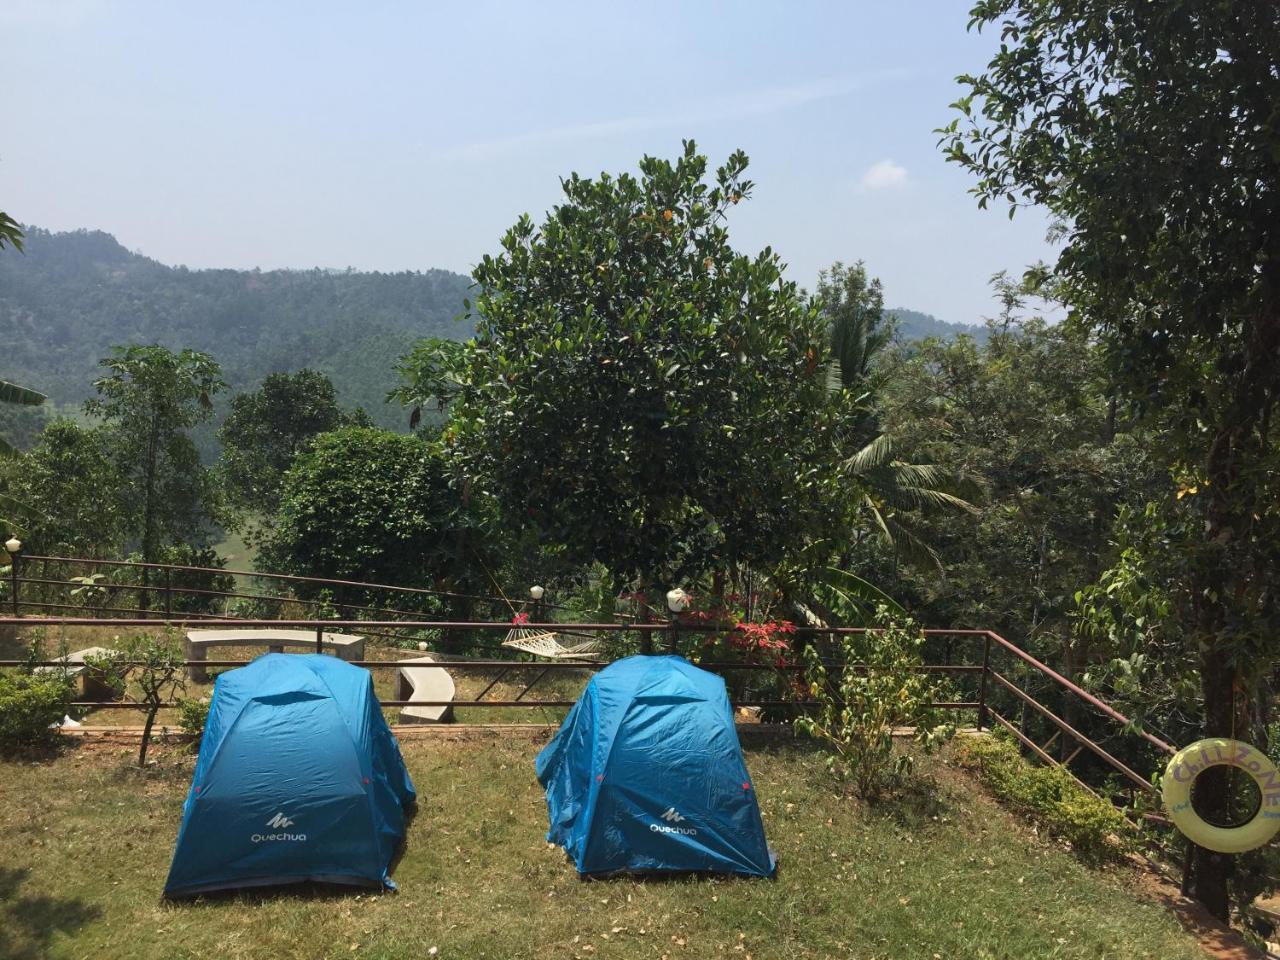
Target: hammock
column 543, row 643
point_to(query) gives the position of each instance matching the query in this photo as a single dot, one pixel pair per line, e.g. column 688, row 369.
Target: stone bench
column 424, row 683
column 93, row 683
column 197, row 643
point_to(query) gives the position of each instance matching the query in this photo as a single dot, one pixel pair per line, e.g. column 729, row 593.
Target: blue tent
column 298, row 778
column 646, row 775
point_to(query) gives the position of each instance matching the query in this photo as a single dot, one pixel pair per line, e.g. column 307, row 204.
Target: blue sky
column 407, row 136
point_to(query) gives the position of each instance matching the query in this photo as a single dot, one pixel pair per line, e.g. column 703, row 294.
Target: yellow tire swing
column 1189, row 762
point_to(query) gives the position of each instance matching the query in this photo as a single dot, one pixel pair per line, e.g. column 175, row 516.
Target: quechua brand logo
column 279, row 822
column 673, row 817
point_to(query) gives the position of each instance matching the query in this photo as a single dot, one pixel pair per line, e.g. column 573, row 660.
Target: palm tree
column 895, row 494
column 893, row 491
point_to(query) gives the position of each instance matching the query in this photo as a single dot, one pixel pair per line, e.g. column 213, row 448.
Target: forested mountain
column 70, row 296
column 914, row 325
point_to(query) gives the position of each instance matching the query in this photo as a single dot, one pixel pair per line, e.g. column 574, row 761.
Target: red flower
column 520, row 619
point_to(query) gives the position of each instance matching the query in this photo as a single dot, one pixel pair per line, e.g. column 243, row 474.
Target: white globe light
column 536, row 592
column 422, row 645
column 13, row 544
column 677, row 600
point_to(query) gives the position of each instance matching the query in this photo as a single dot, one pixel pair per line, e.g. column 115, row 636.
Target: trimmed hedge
column 1094, row 828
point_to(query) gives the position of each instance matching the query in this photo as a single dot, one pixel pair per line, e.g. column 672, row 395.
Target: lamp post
column 677, row 601
column 536, row 593
column 14, row 546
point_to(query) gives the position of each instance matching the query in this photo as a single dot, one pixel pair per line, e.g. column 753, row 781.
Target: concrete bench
column 93, row 683
column 424, row 683
column 197, row 643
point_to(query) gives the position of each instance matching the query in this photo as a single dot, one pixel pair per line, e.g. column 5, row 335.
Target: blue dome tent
column 646, row 775
column 298, row 778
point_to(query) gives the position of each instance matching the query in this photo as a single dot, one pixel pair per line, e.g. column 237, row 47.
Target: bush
column 192, row 714
column 29, row 705
column 1094, row 827
column 879, row 688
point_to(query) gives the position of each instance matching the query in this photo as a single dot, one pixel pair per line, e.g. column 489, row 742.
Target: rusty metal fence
column 992, row 682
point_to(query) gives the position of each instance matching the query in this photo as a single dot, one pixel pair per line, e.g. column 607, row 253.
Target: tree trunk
column 146, row 735
column 1212, row 872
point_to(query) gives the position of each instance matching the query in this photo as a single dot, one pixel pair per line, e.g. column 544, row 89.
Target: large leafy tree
column 267, row 428
column 1149, row 131
column 368, row 504
column 73, row 490
column 149, row 400
column 640, row 393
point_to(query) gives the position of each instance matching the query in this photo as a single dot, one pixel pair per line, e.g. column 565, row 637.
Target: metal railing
column 986, row 685
column 168, row 596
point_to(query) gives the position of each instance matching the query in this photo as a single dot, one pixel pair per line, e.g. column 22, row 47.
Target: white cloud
column 883, row 175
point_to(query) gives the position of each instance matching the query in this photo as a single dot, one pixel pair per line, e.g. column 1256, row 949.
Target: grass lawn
column 85, row 843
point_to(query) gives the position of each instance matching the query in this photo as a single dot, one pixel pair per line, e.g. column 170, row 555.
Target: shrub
column 1094, row 827
column 29, row 705
column 153, row 664
column 878, row 688
column 192, row 714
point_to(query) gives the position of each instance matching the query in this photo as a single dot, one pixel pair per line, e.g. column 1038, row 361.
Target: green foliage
column 1129, row 619
column 1096, row 830
column 853, row 305
column 29, row 705
column 73, row 295
column 430, row 375
column 872, row 688
column 10, row 232
column 11, row 393
column 267, row 428
column 192, row 714
column 148, row 665
column 640, row 394
column 1147, row 130
column 367, row 504
column 148, row 400
column 73, row 489
column 1028, row 418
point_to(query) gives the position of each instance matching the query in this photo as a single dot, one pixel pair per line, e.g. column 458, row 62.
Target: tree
column 148, row 401
column 853, row 305
column 430, row 374
column 74, row 492
column 367, row 504
column 154, row 664
column 640, row 394
column 892, row 494
column 11, row 393
column 21, row 396
column 267, row 428
column 1148, row 131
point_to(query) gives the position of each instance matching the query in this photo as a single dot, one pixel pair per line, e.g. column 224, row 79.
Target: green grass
column 85, row 843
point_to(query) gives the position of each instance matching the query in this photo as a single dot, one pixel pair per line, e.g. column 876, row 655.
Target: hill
column 914, row 325
column 71, row 296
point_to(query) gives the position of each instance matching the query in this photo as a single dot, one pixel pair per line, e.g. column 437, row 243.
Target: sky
column 392, row 136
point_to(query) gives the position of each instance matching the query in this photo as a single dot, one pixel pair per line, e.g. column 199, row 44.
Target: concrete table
column 197, row 642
